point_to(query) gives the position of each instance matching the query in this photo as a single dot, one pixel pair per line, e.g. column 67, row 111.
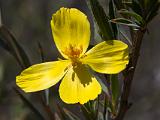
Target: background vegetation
column 29, row 22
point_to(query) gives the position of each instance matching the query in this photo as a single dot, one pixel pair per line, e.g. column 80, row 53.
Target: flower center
column 73, row 53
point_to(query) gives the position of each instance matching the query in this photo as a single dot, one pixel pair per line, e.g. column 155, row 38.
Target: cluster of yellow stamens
column 73, row 53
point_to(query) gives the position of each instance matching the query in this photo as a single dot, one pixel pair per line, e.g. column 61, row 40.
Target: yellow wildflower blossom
column 71, row 33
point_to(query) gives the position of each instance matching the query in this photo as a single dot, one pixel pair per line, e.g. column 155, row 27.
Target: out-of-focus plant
column 113, row 103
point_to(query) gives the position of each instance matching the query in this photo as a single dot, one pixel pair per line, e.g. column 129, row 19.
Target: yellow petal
column 71, row 29
column 108, row 57
column 78, row 85
column 42, row 76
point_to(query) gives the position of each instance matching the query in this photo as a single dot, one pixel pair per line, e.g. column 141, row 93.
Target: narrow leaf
column 137, row 17
column 13, row 47
column 124, row 21
column 112, row 13
column 136, row 7
column 114, row 87
column 101, row 20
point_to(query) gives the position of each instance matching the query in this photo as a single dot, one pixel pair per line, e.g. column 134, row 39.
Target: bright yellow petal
column 42, row 76
column 78, row 85
column 109, row 57
column 71, row 29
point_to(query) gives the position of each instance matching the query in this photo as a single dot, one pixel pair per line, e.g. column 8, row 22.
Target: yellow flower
column 71, row 32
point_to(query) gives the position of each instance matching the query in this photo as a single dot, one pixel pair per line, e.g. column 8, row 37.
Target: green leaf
column 136, row 7
column 137, row 17
column 147, row 9
column 114, row 87
column 10, row 44
column 112, row 13
column 124, row 21
column 101, row 20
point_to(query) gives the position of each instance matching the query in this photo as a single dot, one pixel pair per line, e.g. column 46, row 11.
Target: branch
column 129, row 73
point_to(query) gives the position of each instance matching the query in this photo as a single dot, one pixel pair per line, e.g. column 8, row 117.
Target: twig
column 124, row 105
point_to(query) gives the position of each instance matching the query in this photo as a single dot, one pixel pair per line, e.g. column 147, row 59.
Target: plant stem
column 129, row 73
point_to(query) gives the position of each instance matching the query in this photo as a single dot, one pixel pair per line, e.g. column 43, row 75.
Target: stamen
column 73, row 53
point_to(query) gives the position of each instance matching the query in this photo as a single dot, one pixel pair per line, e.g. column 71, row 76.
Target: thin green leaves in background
column 138, row 19
column 124, row 21
column 101, row 20
column 9, row 43
column 112, row 103
column 112, row 15
column 147, row 9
